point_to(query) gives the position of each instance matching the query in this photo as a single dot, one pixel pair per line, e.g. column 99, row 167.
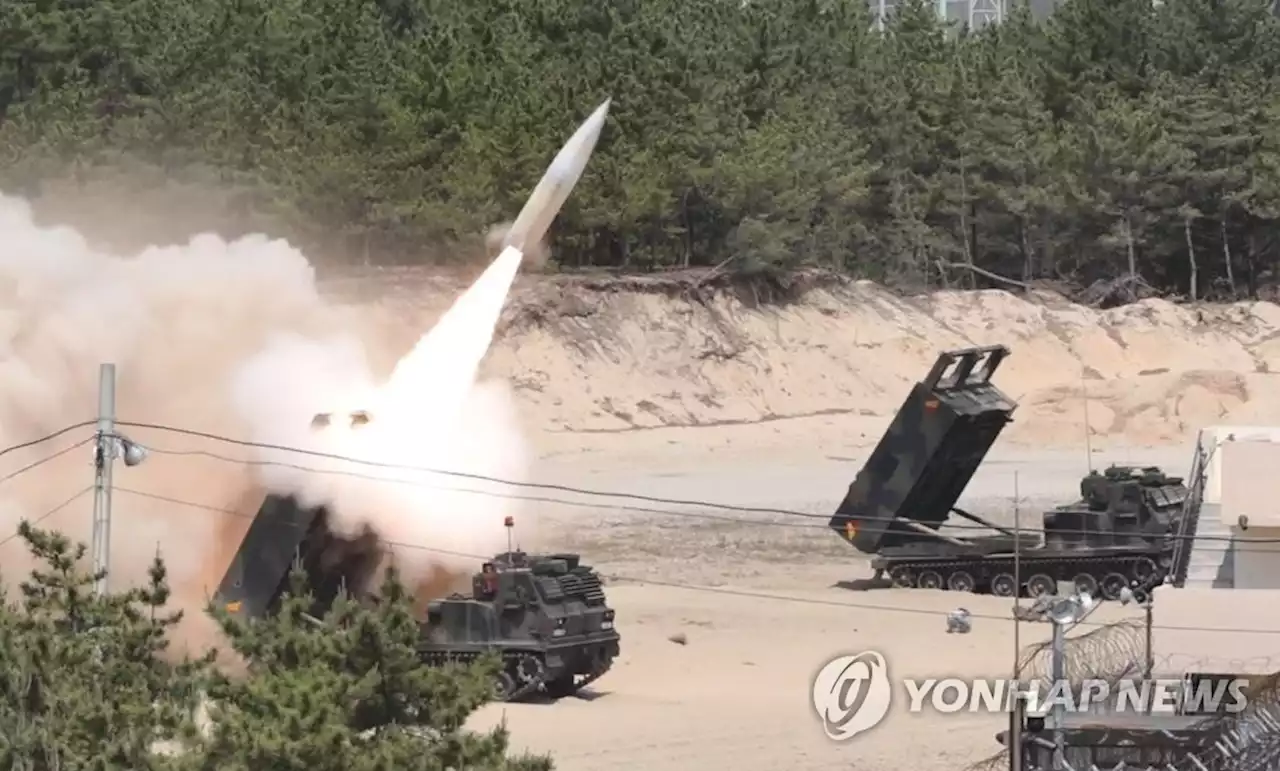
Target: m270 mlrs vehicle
column 546, row 615
column 1123, row 532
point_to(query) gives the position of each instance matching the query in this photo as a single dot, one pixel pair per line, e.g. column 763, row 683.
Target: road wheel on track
column 1040, row 584
column 503, row 686
column 1143, row 571
column 529, row 669
column 1113, row 584
column 1004, row 585
column 903, row 577
column 1086, row 584
column 930, row 579
column 961, row 581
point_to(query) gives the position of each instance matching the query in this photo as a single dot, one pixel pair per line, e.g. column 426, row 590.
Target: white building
column 1237, row 543
column 974, row 13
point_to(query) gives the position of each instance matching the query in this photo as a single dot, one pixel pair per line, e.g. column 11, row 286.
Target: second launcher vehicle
column 1127, row 530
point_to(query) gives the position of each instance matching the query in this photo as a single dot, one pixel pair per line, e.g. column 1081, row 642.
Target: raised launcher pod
column 929, row 454
column 1122, row 533
column 281, row 533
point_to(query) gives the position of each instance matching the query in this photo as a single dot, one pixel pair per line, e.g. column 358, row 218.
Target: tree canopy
column 1121, row 139
column 88, row 684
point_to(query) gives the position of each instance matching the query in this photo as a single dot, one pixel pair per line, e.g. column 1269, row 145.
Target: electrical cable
column 460, row 474
column 47, row 437
column 485, row 493
column 49, row 513
column 1031, row 534
column 693, row 587
column 37, row 464
column 479, row 477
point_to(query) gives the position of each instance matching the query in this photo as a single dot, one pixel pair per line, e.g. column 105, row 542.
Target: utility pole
column 1017, row 580
column 1151, row 656
column 1066, row 608
column 1017, row 722
column 103, row 458
column 1059, row 705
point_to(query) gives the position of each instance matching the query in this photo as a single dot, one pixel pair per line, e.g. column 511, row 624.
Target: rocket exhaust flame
column 430, row 413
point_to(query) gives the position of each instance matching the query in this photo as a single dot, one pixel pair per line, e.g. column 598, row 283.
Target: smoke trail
column 232, row 338
column 430, row 414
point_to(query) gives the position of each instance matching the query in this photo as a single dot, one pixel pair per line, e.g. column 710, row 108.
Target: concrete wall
column 1211, row 630
column 1250, row 482
column 1257, row 563
column 1215, row 438
column 1242, row 478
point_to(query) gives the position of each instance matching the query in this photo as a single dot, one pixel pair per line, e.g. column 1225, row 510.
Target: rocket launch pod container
column 547, row 616
column 1120, row 533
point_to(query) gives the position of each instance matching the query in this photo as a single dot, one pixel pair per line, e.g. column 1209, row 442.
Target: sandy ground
column 762, row 607
column 672, row 390
column 674, row 387
column 686, row 395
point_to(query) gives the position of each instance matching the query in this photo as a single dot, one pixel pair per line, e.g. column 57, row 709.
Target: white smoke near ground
column 420, row 471
column 232, row 338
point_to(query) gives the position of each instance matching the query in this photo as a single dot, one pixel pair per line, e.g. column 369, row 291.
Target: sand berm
column 620, row 356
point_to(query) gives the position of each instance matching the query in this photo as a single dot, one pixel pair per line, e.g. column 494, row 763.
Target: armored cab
column 547, row 616
column 1119, row 534
column 1122, row 506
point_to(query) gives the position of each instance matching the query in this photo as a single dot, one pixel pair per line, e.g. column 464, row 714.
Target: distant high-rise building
column 973, row 13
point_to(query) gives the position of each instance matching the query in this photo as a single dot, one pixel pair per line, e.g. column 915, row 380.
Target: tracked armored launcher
column 546, row 615
column 1121, row 533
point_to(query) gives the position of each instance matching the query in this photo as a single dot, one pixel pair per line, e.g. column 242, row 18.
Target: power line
column 47, row 438
column 567, row 488
column 49, row 513
column 37, row 464
column 479, row 477
column 1240, row 542
column 457, row 474
column 609, row 494
column 690, row 587
column 492, row 493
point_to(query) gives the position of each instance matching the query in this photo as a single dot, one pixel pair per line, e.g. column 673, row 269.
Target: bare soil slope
column 613, row 355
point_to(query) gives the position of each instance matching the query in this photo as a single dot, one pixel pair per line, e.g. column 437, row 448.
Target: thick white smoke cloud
column 235, row 339
column 393, row 488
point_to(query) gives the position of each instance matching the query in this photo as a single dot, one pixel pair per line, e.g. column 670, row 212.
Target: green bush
column 86, row 685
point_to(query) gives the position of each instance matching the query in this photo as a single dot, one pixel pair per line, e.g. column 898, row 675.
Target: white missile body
column 527, row 232
column 547, row 198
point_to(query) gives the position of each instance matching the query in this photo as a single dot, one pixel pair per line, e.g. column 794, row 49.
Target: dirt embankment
column 617, row 354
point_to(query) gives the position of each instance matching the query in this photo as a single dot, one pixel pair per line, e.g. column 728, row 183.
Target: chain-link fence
column 1247, row 740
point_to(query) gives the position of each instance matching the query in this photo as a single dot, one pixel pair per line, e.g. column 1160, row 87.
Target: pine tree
column 84, row 683
column 347, row 692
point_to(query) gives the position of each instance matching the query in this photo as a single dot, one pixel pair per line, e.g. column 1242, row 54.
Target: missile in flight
column 525, row 234
column 547, row 198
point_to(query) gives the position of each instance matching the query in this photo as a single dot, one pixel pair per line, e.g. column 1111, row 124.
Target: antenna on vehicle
column 1084, row 398
column 509, row 522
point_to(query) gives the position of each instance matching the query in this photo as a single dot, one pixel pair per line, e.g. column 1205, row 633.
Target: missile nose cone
column 570, row 162
column 548, row 197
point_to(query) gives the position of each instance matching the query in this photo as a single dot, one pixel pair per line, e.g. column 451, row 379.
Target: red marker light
column 509, row 521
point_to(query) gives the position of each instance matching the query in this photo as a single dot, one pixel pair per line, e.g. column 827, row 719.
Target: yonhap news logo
column 853, row 694
column 1158, row 695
